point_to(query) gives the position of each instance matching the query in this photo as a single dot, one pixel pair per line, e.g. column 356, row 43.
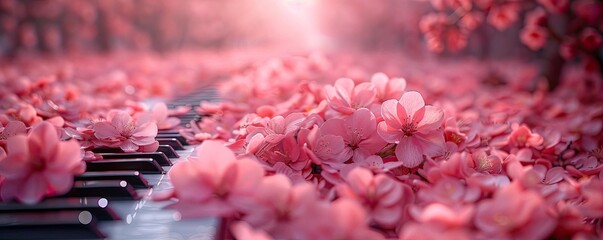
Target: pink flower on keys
column 345, row 96
column 123, row 131
column 214, row 182
column 359, row 132
column 38, row 165
column 416, row 128
column 383, row 196
column 161, row 116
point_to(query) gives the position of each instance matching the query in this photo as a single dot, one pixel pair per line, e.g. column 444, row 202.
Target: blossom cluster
column 50, row 119
column 571, row 28
column 319, row 147
column 408, row 159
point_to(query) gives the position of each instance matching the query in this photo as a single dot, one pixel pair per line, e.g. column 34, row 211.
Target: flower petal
column 121, row 120
column 103, row 130
column 408, row 153
column 389, row 134
column 33, row 190
column 432, row 119
column 390, row 111
column 412, row 101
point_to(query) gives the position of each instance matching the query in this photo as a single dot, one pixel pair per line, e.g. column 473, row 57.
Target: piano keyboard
column 112, row 199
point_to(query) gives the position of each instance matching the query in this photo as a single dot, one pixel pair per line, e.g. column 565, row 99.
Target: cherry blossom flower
column 341, row 219
column 278, row 203
column 213, row 181
column 345, row 96
column 432, row 232
column 161, row 117
column 536, row 17
column 39, row 165
column 382, row 196
column 414, row 127
column 359, row 132
column 12, row 128
column 534, row 37
column 591, row 39
column 242, row 230
column 501, row 16
column 26, row 114
column 444, row 215
column 323, row 148
column 555, row 6
column 514, row 213
column 522, row 136
column 388, row 88
column 123, row 131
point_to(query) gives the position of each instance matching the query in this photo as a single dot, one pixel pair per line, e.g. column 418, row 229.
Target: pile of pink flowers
column 307, row 148
column 50, row 119
column 406, row 159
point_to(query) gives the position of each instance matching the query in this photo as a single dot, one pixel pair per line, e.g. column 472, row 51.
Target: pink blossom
column 161, row 116
column 242, row 230
column 323, row 148
column 39, row 165
column 414, row 127
column 444, row 215
column 341, row 219
column 534, row 37
column 383, row 197
column 263, row 138
column 591, row 39
column 450, row 191
column 522, row 136
column 434, row 26
column 486, row 163
column 26, row 114
column 432, row 232
column 373, row 162
column 11, row 129
column 359, row 132
column 277, row 203
column 556, row 6
column 345, row 96
column 536, row 17
column 502, row 16
column 514, row 213
column 589, row 11
column 593, row 198
column 213, row 181
column 388, row 88
column 123, row 131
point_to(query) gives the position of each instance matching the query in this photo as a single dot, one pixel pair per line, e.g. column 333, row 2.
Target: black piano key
column 143, row 165
column 161, row 158
column 107, row 150
column 134, row 178
column 170, row 135
column 49, row 225
column 172, row 142
column 188, row 115
column 99, row 207
column 168, row 151
column 109, row 189
column 168, row 131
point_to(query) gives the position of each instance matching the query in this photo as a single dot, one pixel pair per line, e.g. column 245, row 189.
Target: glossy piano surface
column 148, row 219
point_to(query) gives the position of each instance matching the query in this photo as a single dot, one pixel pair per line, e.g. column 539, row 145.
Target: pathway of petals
column 324, row 147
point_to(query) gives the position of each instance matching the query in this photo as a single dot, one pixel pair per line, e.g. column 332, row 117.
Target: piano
column 112, row 199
